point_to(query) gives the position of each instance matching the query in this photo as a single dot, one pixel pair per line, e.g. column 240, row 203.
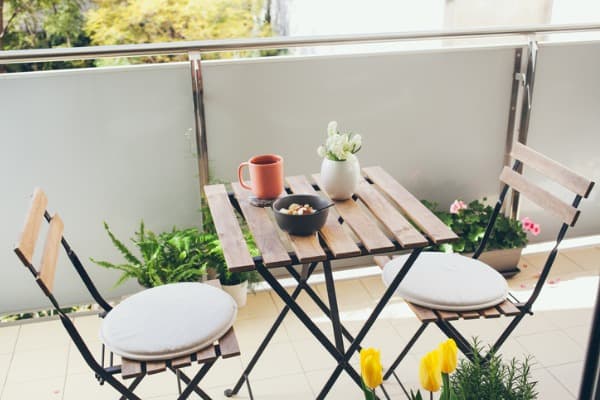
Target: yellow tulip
column 448, row 351
column 370, row 367
column 430, row 372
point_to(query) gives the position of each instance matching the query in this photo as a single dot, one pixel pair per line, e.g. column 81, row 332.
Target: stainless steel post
column 199, row 116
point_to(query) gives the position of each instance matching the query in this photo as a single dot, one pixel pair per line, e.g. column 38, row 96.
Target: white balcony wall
column 114, row 144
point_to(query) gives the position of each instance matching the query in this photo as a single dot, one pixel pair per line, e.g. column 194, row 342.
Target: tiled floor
column 38, row 361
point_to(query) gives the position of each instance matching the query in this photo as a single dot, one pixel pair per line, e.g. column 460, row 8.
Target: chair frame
column 105, row 372
column 511, row 307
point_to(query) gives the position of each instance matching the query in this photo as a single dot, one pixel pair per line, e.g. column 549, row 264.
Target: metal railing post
column 199, row 116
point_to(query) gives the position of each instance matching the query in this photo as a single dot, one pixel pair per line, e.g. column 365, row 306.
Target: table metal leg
column 343, row 362
column 370, row 321
column 315, row 297
column 269, row 336
column 333, row 306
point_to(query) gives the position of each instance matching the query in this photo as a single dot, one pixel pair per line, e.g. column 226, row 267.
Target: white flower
column 356, row 143
column 332, row 128
column 321, row 151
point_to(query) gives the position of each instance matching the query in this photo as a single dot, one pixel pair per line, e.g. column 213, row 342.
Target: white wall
column 112, row 144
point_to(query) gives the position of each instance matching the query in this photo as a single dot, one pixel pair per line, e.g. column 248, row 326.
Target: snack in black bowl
column 297, row 215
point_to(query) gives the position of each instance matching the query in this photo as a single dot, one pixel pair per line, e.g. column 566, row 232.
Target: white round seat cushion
column 448, row 281
column 168, row 321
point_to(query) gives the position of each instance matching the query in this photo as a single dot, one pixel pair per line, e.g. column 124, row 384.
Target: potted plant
column 340, row 170
column 169, row 257
column 469, row 222
column 482, row 378
column 187, row 255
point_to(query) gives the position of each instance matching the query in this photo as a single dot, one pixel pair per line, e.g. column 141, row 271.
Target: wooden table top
column 377, row 222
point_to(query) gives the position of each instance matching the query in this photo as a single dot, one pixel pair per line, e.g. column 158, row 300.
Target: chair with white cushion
column 443, row 287
column 164, row 328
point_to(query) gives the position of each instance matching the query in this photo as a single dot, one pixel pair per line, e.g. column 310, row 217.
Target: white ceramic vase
column 239, row 292
column 340, row 178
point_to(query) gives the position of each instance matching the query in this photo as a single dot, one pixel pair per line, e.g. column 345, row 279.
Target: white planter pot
column 340, row 178
column 239, row 292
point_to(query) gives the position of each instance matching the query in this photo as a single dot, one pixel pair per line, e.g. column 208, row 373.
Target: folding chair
column 495, row 300
column 149, row 341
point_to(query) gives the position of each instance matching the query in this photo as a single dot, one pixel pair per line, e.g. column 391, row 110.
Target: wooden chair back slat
column 389, row 216
column 130, row 368
column 567, row 213
column 228, row 345
column 263, row 229
column 336, row 238
column 552, row 169
column 235, row 249
column 431, row 225
column 363, row 226
column 28, row 238
column 51, row 249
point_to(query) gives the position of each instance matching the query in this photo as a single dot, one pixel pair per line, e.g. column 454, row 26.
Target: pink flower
column 527, row 223
column 457, row 205
column 535, row 229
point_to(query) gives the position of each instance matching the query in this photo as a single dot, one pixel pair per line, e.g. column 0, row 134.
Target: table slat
column 230, row 234
column 362, row 225
column 437, row 231
column 389, row 216
column 265, row 234
column 336, row 238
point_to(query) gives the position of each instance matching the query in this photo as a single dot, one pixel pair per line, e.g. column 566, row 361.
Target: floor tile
column 548, row 387
column 552, row 348
column 580, row 334
column 277, row 360
column 259, row 305
column 85, row 386
column 569, row 375
column 48, row 334
column 5, row 360
column 28, row 366
column 43, row 389
column 250, row 333
column 587, row 258
column 8, row 338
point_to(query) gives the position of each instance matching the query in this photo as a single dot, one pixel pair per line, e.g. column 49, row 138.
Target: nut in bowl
column 297, row 215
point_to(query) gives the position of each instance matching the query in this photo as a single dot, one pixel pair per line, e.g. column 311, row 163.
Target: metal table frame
column 337, row 350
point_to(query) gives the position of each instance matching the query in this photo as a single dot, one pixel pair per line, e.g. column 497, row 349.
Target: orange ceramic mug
column 266, row 176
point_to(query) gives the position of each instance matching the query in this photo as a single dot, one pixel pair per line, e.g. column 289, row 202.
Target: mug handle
column 241, row 175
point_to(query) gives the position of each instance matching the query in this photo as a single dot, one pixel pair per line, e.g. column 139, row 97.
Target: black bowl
column 301, row 225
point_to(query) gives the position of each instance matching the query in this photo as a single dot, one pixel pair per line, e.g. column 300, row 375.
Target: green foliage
column 175, row 256
column 32, row 24
column 112, row 22
column 494, row 380
column 470, row 224
column 43, row 313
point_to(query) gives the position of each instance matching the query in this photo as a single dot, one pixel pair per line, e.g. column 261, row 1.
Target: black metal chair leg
column 186, row 379
column 133, row 385
column 192, row 385
column 249, row 388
